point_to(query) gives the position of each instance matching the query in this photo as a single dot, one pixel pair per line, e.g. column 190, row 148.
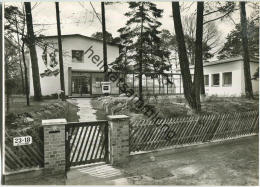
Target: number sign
column 25, row 140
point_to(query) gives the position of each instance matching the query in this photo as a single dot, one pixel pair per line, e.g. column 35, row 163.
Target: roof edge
column 80, row 35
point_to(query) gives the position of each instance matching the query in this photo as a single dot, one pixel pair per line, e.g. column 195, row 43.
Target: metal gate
column 86, row 142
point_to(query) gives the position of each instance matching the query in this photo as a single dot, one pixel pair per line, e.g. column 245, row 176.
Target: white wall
column 50, row 85
column 235, row 89
column 238, row 85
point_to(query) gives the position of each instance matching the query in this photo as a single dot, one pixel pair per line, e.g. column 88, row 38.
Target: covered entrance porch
column 84, row 83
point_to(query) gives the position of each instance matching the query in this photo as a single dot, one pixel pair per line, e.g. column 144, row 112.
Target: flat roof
column 79, row 35
column 228, row 60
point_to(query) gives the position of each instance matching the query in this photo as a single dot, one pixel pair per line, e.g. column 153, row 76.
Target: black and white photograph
column 130, row 93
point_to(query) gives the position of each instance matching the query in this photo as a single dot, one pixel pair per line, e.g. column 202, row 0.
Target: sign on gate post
column 25, row 140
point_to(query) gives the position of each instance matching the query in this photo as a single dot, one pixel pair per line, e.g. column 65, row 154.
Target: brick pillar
column 119, row 139
column 54, row 146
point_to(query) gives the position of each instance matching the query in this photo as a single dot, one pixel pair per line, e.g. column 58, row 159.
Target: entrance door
column 80, row 85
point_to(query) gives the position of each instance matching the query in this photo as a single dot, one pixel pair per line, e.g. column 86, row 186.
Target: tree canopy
column 143, row 16
column 233, row 45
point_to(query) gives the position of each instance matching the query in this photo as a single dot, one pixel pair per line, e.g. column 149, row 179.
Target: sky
column 80, row 18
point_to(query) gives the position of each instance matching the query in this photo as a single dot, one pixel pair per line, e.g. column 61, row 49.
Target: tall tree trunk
column 198, row 74
column 141, row 58
column 20, row 61
column 247, row 75
column 104, row 33
column 199, row 47
column 62, row 86
column 1, row 69
column 26, row 81
column 189, row 92
column 33, row 54
column 25, row 77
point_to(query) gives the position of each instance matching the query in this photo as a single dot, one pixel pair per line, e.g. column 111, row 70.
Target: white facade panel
column 92, row 60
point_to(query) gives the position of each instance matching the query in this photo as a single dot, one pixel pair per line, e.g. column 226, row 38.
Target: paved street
column 231, row 163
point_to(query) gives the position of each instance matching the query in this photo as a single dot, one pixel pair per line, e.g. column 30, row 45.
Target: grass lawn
column 18, row 104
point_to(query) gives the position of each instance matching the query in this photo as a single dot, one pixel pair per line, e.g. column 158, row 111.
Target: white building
column 83, row 65
column 226, row 77
column 83, row 70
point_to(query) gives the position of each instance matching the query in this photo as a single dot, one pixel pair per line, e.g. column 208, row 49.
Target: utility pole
column 60, row 52
column 104, row 40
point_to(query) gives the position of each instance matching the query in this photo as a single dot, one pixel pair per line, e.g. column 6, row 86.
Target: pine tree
column 188, row 87
column 141, row 43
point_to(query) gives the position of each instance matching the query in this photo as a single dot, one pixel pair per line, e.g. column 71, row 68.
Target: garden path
column 86, row 111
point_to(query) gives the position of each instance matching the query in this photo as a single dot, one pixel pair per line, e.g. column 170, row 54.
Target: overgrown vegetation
column 21, row 117
column 176, row 106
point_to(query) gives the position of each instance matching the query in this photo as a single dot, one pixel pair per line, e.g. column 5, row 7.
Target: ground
column 230, row 163
column 233, row 162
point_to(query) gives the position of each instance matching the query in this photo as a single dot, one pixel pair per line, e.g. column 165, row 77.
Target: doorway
column 80, row 85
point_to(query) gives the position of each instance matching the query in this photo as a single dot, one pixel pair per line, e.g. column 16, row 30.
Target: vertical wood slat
column 146, row 135
column 96, row 141
column 14, row 157
column 90, row 148
column 82, row 143
column 88, row 143
column 77, row 139
column 106, row 143
column 35, row 154
column 101, row 139
column 84, row 156
column 26, row 156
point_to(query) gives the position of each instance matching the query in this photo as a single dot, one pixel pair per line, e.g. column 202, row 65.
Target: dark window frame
column 223, row 77
column 207, row 79
column 75, row 58
column 213, row 79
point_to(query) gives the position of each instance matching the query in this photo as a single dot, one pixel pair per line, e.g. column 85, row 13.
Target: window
column 215, row 79
column 77, row 56
column 227, row 79
column 206, row 80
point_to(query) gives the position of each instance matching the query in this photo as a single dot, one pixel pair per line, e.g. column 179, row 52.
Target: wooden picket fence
column 25, row 156
column 148, row 135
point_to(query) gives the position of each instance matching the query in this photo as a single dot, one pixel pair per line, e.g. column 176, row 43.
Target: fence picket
column 25, row 156
column 146, row 135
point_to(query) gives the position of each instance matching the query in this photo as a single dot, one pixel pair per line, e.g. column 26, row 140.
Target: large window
column 77, row 56
column 227, row 79
column 206, row 80
column 215, row 79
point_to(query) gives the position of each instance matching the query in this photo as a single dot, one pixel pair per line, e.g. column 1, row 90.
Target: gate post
column 119, row 139
column 54, row 146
